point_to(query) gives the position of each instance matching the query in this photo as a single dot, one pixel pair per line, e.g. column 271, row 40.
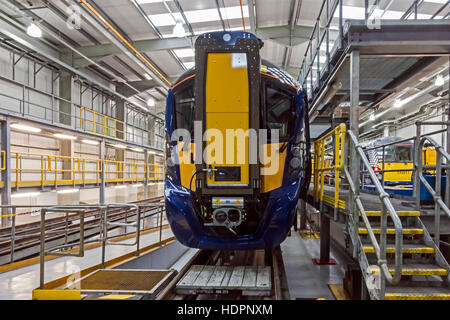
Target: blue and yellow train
column 237, row 147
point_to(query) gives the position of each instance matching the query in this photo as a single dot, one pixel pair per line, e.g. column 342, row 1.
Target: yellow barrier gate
column 321, row 166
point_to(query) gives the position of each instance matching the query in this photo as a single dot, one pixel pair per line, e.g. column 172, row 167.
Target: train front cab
column 194, row 191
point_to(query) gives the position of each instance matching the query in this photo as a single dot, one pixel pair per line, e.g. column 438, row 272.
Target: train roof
column 386, row 140
column 267, row 67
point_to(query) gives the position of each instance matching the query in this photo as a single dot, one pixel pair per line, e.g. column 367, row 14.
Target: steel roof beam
column 142, row 46
column 282, row 34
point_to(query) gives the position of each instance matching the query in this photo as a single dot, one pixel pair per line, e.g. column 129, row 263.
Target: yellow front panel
column 227, row 107
column 397, row 175
column 187, row 167
column 274, row 179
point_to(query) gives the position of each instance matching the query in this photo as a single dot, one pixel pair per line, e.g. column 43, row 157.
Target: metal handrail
column 104, row 124
column 380, row 250
column 435, row 193
column 104, row 228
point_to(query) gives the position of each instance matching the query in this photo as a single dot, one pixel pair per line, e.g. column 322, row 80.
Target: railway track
column 257, row 258
column 62, row 230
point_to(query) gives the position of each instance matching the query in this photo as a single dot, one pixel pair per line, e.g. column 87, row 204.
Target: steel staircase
column 398, row 257
column 425, row 273
column 412, row 266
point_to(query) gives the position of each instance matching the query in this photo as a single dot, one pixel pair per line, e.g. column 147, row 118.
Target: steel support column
column 447, row 178
column 354, row 157
column 6, row 173
column 65, row 91
column 146, row 155
column 102, row 187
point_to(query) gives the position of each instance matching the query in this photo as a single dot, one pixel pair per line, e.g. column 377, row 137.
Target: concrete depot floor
column 306, row 280
column 18, row 284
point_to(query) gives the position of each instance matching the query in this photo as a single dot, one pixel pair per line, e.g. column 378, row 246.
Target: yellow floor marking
column 117, row 296
column 42, row 294
column 339, row 292
column 306, row 234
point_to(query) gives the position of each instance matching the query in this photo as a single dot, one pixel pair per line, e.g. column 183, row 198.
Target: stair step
column 418, row 270
column 412, row 293
column 399, row 213
column 391, row 231
column 407, row 248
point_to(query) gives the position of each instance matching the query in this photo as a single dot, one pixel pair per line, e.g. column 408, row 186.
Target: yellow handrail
column 116, row 133
column 321, row 166
column 53, row 169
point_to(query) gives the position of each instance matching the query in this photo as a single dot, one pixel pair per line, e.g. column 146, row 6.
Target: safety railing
column 104, row 226
column 321, row 166
column 327, row 36
column 17, row 240
column 380, row 248
column 435, row 192
column 94, row 122
column 50, row 111
column 31, row 170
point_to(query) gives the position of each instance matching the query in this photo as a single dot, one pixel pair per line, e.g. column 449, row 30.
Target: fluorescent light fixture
column 439, row 81
column 147, row 76
column 120, row 187
column 151, row 152
column 24, row 127
column 66, row 191
column 234, row 12
column 119, row 146
column 93, row 142
column 372, row 117
column 137, row 149
column 34, row 31
column 398, row 103
column 184, row 53
column 151, row 102
column 178, row 30
column 64, row 136
column 25, row 194
column 137, row 185
column 198, row 16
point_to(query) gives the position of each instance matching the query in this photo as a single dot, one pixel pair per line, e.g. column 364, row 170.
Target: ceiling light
column 151, row 102
column 372, row 117
column 178, row 30
column 147, row 76
column 398, row 103
column 439, row 81
column 34, row 31
column 119, row 146
column 189, row 65
column 64, row 136
column 25, row 194
column 93, row 142
column 137, row 185
column 137, row 149
column 120, row 187
column 25, row 128
column 67, row 191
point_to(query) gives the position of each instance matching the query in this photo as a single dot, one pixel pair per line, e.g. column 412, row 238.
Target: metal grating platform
column 247, row 280
column 137, row 282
